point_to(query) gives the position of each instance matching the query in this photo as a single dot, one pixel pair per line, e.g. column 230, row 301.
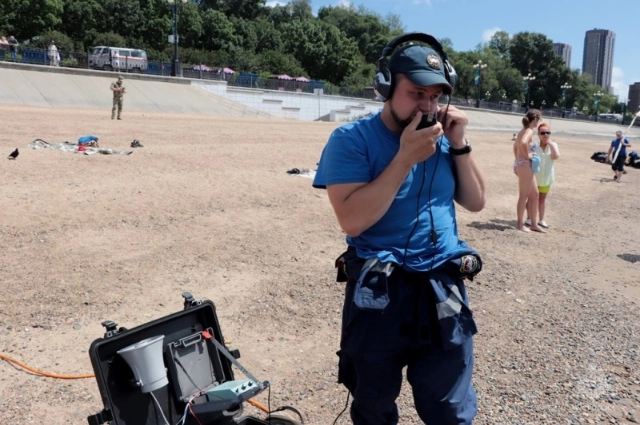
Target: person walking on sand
column 617, row 164
column 526, row 164
column 118, row 93
column 548, row 152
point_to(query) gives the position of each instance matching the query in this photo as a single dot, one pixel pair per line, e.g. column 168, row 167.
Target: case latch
column 112, row 328
column 189, row 301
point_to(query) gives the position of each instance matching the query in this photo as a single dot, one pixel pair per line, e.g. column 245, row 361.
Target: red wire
column 194, row 415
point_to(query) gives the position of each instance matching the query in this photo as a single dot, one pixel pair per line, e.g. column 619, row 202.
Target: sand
column 206, row 206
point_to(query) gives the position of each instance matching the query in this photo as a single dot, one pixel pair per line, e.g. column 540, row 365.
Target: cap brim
column 424, row 79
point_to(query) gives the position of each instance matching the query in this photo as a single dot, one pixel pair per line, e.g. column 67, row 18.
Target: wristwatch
column 461, row 151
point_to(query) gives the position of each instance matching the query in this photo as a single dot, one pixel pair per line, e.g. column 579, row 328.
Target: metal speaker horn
column 145, row 360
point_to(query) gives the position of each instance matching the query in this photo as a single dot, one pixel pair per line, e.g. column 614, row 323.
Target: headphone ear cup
column 382, row 84
column 451, row 74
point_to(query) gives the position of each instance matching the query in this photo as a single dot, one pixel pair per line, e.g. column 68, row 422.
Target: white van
column 126, row 60
column 613, row 117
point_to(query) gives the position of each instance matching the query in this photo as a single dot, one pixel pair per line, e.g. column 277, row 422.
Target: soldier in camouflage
column 118, row 94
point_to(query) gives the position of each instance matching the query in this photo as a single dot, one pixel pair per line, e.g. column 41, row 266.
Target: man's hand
column 418, row 145
column 455, row 125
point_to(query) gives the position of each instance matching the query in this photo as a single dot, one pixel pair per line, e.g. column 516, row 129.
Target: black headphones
column 383, row 81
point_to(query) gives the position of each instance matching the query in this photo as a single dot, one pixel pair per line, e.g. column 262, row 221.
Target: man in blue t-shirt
column 392, row 181
column 617, row 154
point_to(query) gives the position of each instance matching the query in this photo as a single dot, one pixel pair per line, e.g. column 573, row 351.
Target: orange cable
column 59, row 376
column 258, row 405
column 39, row 372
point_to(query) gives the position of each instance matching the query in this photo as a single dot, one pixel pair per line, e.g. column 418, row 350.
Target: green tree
column 278, row 15
column 245, row 33
column 533, row 53
column 301, row 9
column 33, row 17
column 279, row 63
column 190, row 26
column 322, row 49
column 123, row 17
column 360, row 25
column 8, row 10
column 80, row 18
column 394, row 23
column 64, row 43
column 361, row 77
column 218, row 31
column 109, row 39
column 267, row 36
column 501, row 43
column 246, row 9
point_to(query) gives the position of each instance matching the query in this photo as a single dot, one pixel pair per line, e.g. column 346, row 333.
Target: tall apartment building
column 597, row 58
column 564, row 51
column 634, row 97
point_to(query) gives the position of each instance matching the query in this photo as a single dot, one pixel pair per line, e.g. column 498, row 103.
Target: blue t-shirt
column 359, row 152
column 623, row 150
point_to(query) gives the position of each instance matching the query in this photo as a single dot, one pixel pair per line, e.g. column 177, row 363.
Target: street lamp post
column 176, row 71
column 527, row 80
column 564, row 88
column 624, row 109
column 479, row 66
column 597, row 103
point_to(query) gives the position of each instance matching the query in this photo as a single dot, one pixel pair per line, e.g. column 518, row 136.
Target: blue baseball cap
column 421, row 64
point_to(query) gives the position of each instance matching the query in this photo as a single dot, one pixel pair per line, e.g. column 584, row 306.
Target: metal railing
column 161, row 68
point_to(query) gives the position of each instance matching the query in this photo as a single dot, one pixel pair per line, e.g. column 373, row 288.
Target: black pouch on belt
column 466, row 266
column 344, row 263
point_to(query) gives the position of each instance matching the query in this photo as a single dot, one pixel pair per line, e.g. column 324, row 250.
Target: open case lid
column 193, row 364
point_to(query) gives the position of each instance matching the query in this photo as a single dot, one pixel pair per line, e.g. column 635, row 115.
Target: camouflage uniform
column 117, row 98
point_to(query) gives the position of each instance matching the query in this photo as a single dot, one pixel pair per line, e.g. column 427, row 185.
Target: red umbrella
column 303, row 79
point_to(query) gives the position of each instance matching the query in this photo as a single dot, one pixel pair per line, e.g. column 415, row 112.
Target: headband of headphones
column 383, row 82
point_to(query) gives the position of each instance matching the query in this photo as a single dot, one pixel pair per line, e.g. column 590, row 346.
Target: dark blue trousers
column 377, row 345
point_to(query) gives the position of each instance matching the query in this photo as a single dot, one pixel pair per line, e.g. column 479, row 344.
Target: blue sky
column 469, row 22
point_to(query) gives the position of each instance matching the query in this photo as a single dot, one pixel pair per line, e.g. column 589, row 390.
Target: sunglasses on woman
column 545, row 133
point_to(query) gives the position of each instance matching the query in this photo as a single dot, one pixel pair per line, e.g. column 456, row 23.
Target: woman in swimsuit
column 525, row 165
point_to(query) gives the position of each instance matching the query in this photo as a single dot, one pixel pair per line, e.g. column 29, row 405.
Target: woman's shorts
column 544, row 189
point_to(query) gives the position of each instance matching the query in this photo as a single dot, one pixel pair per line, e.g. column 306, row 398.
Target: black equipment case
column 201, row 386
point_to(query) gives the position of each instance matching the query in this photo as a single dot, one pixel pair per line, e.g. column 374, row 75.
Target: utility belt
column 371, row 279
column 350, row 266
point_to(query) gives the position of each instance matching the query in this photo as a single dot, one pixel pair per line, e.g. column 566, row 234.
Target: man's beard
column 402, row 123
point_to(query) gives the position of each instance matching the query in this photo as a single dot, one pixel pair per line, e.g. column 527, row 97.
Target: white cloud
column 617, row 82
column 344, row 3
column 487, row 34
column 275, row 3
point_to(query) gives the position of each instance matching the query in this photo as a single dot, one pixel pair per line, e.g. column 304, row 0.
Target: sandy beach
column 206, row 206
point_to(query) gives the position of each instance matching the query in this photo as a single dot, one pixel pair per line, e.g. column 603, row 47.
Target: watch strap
column 461, row 151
